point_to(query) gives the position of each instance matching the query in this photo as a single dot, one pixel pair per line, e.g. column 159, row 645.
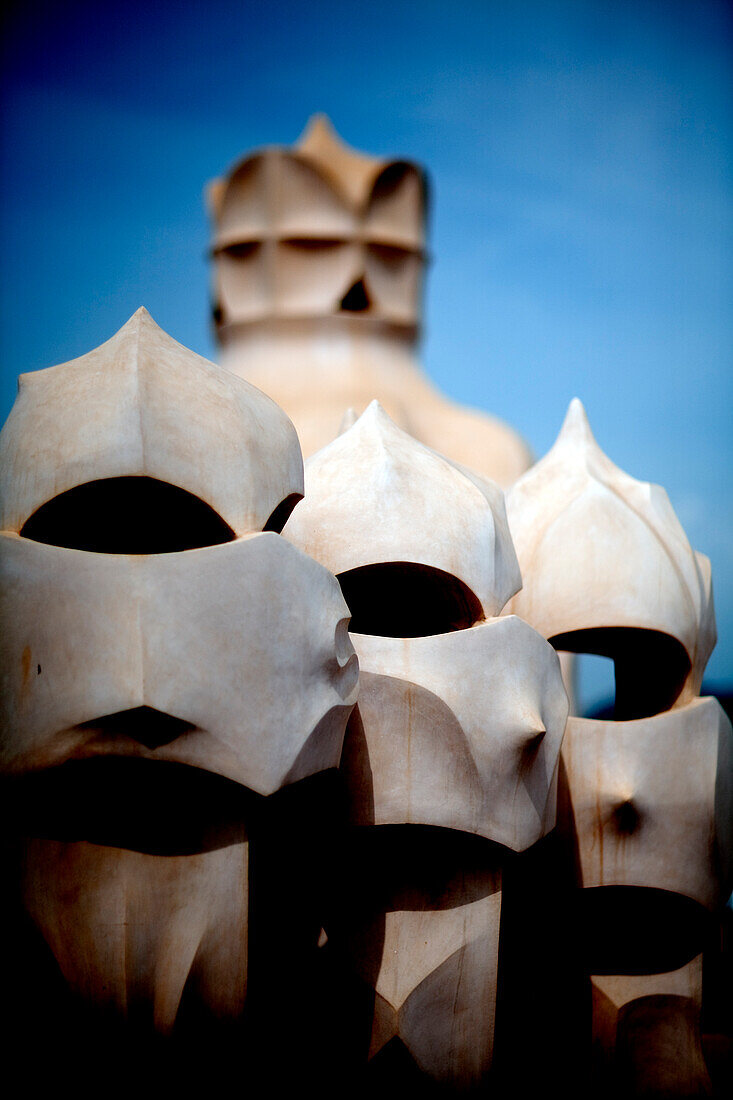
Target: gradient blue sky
column 580, row 155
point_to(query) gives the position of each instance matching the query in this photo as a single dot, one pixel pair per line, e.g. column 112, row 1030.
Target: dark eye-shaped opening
column 397, row 175
column 404, row 600
column 242, row 250
column 127, row 515
column 650, row 668
column 638, row 930
column 312, row 244
column 281, row 514
column 390, row 254
column 146, row 725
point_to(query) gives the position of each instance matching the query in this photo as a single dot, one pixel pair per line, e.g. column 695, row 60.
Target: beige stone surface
column 436, row 987
column 154, row 702
column 318, row 270
column 377, row 495
column 652, row 801
column 460, row 730
column 130, row 930
column 142, row 405
column 316, row 368
column 646, row 1028
column 455, row 742
column 620, row 989
column 245, row 644
column 598, row 549
column 233, row 659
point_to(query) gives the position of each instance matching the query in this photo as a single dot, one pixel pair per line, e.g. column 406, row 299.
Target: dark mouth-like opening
column 144, row 805
column 422, row 867
column 638, row 930
column 404, row 600
column 150, row 727
column 356, row 299
column 650, row 668
column 127, row 515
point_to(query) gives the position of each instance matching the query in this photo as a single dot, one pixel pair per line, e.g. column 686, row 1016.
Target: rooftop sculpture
column 319, row 258
column 608, row 569
column 452, row 753
column 169, row 666
column 289, row 782
column 647, row 798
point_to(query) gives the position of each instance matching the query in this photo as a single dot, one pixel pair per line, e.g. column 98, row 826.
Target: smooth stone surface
column 376, row 495
column 461, row 730
column 599, row 549
column 130, row 930
column 143, row 405
column 436, row 988
column 651, row 801
column 246, row 644
column 646, row 1032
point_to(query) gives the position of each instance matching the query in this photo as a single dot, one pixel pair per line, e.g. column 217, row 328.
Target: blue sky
column 580, row 155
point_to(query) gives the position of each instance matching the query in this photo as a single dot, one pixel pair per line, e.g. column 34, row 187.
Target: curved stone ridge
column 143, row 405
column 598, row 548
column 245, row 644
column 376, row 495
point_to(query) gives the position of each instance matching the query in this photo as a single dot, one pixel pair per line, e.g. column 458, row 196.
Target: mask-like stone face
column 607, row 569
column 463, row 732
column 647, row 807
column 234, row 658
column 457, row 732
column 652, row 801
column 319, row 231
column 177, row 679
column 229, row 658
column 462, row 716
column 645, row 800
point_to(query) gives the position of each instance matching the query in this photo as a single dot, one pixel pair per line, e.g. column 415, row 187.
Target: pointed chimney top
column 350, row 171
